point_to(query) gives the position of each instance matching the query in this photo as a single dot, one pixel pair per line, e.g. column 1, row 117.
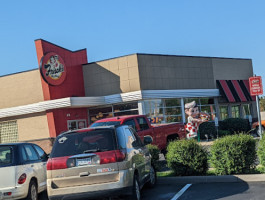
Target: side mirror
column 148, row 139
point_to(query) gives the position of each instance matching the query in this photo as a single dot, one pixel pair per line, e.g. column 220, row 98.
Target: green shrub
column 207, row 130
column 233, row 154
column 235, row 125
column 154, row 151
column 187, row 157
column 222, row 133
column 261, row 151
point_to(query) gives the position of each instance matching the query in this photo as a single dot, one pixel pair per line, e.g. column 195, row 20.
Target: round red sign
column 53, row 69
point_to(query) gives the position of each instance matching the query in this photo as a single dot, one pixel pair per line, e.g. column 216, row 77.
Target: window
column 76, row 124
column 6, row 157
column 142, row 123
column 223, row 112
column 121, row 138
column 205, row 105
column 130, row 123
column 130, row 139
column 125, row 109
column 78, row 143
column 39, row 150
column 172, row 110
column 8, row 132
column 100, row 113
column 246, row 111
column 235, row 111
column 32, row 155
column 138, row 142
column 153, row 109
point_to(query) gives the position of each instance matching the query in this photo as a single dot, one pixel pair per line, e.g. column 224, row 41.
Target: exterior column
column 183, row 110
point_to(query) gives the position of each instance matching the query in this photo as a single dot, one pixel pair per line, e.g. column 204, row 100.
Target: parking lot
column 202, row 191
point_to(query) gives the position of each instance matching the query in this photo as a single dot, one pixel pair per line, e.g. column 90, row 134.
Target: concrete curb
column 211, row 179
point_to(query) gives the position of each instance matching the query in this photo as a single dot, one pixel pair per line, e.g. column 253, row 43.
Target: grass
column 165, row 174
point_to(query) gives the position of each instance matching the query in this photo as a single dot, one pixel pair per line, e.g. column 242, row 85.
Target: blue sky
column 227, row 28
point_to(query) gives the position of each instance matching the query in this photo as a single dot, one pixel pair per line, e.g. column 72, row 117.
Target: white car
column 22, row 171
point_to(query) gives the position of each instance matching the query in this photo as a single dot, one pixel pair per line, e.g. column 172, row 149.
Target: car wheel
column 152, row 182
column 33, row 191
column 136, row 193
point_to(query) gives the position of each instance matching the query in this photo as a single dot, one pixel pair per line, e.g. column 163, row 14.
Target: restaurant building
column 67, row 92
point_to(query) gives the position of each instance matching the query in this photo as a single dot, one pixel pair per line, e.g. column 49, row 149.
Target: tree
column 262, row 103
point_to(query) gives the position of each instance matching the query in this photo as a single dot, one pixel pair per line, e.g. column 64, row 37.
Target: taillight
column 57, row 163
column 112, row 156
column 107, row 157
column 22, row 179
column 121, row 155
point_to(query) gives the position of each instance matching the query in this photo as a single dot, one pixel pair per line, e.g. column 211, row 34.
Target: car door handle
column 44, row 163
column 32, row 165
column 82, row 174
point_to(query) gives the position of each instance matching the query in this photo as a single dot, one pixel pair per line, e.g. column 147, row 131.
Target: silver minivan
column 99, row 162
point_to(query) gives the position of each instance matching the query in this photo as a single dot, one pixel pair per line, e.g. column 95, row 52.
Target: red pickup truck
column 161, row 134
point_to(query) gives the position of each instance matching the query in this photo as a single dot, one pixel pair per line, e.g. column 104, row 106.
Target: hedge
column 233, row 154
column 261, row 151
column 154, row 151
column 235, row 125
column 187, row 157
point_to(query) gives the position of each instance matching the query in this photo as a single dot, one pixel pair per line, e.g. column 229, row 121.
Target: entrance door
column 76, row 124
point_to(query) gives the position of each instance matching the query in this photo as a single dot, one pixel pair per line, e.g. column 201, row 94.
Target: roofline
column 19, row 72
column 149, row 54
column 60, row 46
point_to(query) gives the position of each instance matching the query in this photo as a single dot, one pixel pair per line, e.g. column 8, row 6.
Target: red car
column 161, row 134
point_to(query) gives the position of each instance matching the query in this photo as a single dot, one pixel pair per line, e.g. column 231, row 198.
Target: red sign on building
column 255, row 85
column 53, row 69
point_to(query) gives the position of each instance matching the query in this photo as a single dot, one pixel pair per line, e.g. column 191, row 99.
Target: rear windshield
column 105, row 123
column 6, row 157
column 86, row 142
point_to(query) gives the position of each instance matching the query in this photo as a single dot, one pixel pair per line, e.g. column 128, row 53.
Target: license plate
column 84, row 161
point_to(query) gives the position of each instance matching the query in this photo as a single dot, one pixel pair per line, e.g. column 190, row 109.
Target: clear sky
column 112, row 28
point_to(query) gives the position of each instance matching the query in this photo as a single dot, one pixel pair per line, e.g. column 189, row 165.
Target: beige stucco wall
column 20, row 89
column 158, row 72
column 32, row 127
column 112, row 76
column 232, row 69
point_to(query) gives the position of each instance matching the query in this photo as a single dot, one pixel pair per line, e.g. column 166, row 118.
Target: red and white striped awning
column 235, row 90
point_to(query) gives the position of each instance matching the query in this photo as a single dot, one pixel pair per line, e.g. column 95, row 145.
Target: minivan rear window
column 6, row 157
column 84, row 142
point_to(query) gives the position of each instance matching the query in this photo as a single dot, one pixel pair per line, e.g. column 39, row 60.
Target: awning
column 235, row 90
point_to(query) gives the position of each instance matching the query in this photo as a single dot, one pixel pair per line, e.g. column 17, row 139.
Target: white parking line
column 181, row 192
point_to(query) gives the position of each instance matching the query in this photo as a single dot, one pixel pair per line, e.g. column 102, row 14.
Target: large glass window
column 205, row 105
column 111, row 111
column 246, row 111
column 100, row 113
column 125, row 109
column 153, row 109
column 172, row 110
column 163, row 111
column 223, row 112
column 235, row 111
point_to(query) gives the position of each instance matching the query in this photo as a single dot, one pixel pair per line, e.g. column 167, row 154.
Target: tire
column 152, row 182
column 136, row 193
column 33, row 191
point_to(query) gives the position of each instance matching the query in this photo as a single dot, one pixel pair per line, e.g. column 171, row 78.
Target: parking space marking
column 181, row 192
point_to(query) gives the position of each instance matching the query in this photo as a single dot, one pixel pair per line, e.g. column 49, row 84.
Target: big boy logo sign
column 53, row 69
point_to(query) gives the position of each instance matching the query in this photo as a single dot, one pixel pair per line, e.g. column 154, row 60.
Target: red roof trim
column 239, row 91
column 227, row 91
